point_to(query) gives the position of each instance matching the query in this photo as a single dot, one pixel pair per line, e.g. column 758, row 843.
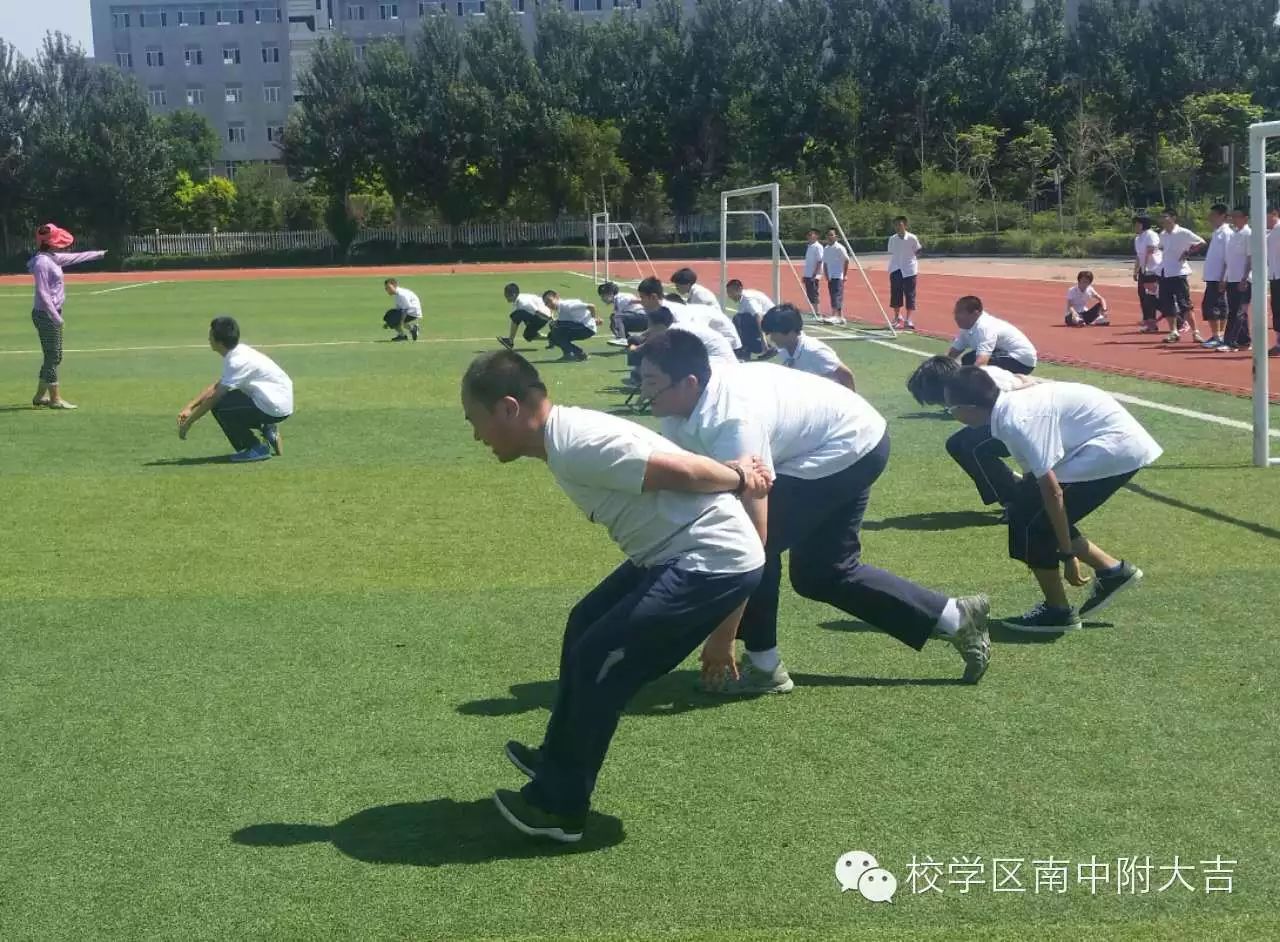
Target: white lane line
column 140, row 284
column 205, row 346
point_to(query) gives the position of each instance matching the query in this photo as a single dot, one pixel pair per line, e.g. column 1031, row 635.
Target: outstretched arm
column 75, row 258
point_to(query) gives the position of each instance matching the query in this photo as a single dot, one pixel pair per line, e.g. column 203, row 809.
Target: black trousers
column 533, row 323
column 902, row 288
column 1237, row 333
column 820, row 522
column 811, row 291
column 1031, row 536
column 394, row 316
column 1175, row 297
column 1147, row 300
column 980, row 454
column 1088, row 316
column 749, row 331
column 632, row 628
column 564, row 333
column 239, row 418
column 1001, row 360
column 1273, row 290
column 1213, row 306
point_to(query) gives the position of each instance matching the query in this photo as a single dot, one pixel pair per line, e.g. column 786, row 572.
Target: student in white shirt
column 1176, row 243
column 1239, row 267
column 1078, row 446
column 710, row 315
column 835, row 265
column 406, row 313
column 686, row 282
column 812, row 269
column 1084, row 304
column 752, row 305
column 785, row 329
column 1213, row 305
column 575, row 320
column 692, row 559
column 979, row 453
column 529, row 312
column 904, row 247
column 1146, row 272
column 1273, row 275
column 826, row 447
column 252, row 393
column 989, row 340
column 628, row 316
column 720, row 354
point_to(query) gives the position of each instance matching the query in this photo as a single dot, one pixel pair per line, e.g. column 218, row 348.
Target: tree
column 1029, row 156
column 192, row 141
column 582, row 164
column 16, row 94
column 981, row 145
column 1177, row 161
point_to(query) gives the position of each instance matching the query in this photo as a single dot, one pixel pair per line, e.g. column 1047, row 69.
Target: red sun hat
column 53, row 237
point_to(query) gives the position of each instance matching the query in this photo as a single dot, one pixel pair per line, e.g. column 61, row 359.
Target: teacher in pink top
column 46, row 313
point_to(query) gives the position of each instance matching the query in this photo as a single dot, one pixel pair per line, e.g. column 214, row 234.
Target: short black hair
column 1241, row 210
column 928, row 383
column 226, row 331
column 661, row 316
column 970, row 304
column 900, row 219
column 1220, row 208
column 1143, row 220
column 549, row 294
column 391, row 281
column 732, row 283
column 972, row 386
column 651, row 286
column 1085, row 274
column 1169, row 211
column 503, row 373
column 678, row 354
column 782, row 319
column 607, row 288
column 510, row 290
column 684, row 277
column 814, row 231
column 672, row 296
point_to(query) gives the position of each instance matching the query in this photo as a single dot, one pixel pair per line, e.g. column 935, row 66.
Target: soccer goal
column 1259, row 135
column 603, row 234
column 868, row 312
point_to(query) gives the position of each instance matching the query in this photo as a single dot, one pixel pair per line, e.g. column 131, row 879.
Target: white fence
column 559, row 232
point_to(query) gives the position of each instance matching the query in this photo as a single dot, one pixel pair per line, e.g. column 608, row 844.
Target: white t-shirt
column 1006, row 381
column 754, row 302
column 813, row 260
column 834, row 257
column 1239, row 251
column 812, row 356
column 1079, row 432
column 1172, row 245
column 576, row 312
column 599, row 461
column 259, row 377
column 532, row 303
column 407, row 301
column 706, row 315
column 1144, row 240
column 902, row 254
column 718, row 350
column 992, row 336
column 624, row 303
column 1215, row 258
column 699, row 294
column 799, row 424
column 1081, row 301
column 1273, row 254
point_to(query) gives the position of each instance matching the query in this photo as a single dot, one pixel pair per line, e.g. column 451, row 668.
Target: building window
column 389, row 11
column 473, row 7
column 120, row 20
column 142, row 19
column 124, row 60
column 156, row 97
column 358, row 49
column 234, row 95
column 155, row 58
column 231, row 55
column 270, row 53
column 200, row 16
column 355, row 12
column 275, row 133
column 269, row 15
column 195, row 96
column 227, row 17
column 271, row 94
column 231, row 167
column 431, row 7
column 193, row 55
column 235, row 134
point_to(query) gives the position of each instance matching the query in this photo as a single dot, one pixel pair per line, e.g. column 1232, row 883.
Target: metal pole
column 777, row 241
column 1258, row 175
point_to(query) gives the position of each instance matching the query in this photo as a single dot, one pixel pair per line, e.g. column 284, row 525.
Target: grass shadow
column 182, row 462
column 1207, row 512
column 27, row 407
column 945, row 416
column 430, row 834
column 669, row 695
column 835, row 680
column 936, row 520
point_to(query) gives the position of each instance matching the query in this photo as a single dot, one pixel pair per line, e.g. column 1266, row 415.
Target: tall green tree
column 193, row 143
column 17, row 85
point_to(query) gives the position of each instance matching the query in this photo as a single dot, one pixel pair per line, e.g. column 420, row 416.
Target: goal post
column 772, row 190
column 626, row 234
column 1259, row 135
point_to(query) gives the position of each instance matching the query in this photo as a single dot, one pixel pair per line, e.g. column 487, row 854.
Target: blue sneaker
column 259, row 452
column 272, row 434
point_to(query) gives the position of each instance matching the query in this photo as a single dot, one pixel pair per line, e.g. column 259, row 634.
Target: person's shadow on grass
column 430, row 834
column 936, row 520
column 183, row 462
column 669, row 695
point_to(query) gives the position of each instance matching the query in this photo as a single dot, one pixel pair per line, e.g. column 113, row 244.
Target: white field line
column 140, row 284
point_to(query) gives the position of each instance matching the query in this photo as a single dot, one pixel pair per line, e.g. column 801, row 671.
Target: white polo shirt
column 718, row 350
column 577, row 312
column 813, row 260
column 599, row 461
column 902, row 254
column 1080, row 301
column 1144, row 240
column 1273, row 254
column 1172, row 245
column 1079, row 432
column 532, row 303
column 799, row 424
column 811, row 356
column 706, row 315
column 754, row 302
column 992, row 336
column 408, row 302
column 1008, row 382
column 260, row 378
column 699, row 294
column 625, row 303
column 1239, row 252
column 1215, row 258
column 834, row 257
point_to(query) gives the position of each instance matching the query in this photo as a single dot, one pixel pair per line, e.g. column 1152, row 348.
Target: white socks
column 765, row 660
column 949, row 621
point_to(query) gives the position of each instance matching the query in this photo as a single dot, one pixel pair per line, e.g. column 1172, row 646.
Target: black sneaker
column 413, row 331
column 1106, row 588
column 531, row 820
column 768, row 354
column 1044, row 619
column 506, row 342
column 525, row 758
column 398, row 338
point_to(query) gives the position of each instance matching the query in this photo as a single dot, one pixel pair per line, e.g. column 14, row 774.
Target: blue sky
column 24, row 22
